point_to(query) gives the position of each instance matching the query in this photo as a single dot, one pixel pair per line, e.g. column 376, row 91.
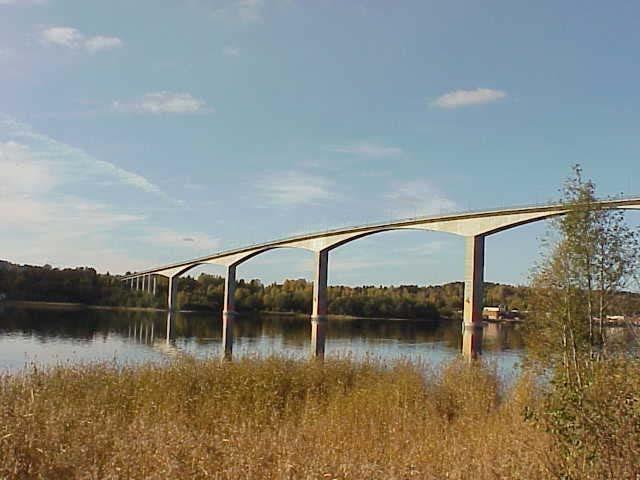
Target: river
column 46, row 337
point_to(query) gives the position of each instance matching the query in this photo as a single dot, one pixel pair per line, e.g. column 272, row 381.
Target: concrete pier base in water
column 472, row 341
column 228, row 321
column 170, row 315
column 318, row 336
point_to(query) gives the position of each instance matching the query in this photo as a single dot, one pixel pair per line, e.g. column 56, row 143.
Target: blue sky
column 138, row 133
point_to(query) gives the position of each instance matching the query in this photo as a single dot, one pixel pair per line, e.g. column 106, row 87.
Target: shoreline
column 46, row 305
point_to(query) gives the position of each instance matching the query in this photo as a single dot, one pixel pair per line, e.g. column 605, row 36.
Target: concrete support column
column 228, row 312
column 137, row 283
column 318, row 337
column 173, row 289
column 155, row 285
column 131, row 282
column 319, row 312
column 228, row 321
column 144, row 279
column 230, row 290
column 473, row 293
column 320, row 285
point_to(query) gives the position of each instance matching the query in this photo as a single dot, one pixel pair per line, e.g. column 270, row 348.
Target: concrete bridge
column 473, row 226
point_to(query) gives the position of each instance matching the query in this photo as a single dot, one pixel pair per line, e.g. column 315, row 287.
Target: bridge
column 474, row 226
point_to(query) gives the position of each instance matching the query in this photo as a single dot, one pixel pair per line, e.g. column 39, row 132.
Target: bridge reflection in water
column 173, row 334
column 87, row 335
column 143, row 331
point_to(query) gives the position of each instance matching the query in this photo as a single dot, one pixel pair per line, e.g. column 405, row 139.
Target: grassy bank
column 272, row 418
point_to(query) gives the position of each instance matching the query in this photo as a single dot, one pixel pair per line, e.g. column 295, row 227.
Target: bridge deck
column 548, row 209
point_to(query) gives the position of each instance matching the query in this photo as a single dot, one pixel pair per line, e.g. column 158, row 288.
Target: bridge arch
column 473, row 226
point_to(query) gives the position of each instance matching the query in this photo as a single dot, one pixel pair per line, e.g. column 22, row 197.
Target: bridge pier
column 155, row 285
column 173, row 289
column 228, row 312
column 320, row 300
column 473, row 296
column 169, row 326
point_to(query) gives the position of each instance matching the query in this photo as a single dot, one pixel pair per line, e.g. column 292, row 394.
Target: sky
column 134, row 134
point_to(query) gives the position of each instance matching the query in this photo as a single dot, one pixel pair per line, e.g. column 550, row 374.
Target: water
column 65, row 336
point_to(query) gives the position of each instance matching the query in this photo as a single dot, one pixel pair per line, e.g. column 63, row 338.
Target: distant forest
column 85, row 285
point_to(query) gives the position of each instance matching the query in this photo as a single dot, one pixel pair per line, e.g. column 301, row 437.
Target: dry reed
column 269, row 419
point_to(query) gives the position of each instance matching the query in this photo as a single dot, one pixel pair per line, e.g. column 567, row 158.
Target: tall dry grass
column 269, row 419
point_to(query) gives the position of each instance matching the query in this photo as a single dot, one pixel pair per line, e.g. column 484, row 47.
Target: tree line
column 206, row 292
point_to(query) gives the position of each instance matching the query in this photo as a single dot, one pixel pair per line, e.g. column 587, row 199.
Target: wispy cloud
column 6, row 53
column 296, row 188
column 249, row 11
column 45, row 223
column 465, row 98
column 231, row 51
column 340, row 264
column 63, row 36
column 52, row 215
column 163, row 103
column 72, row 38
column 100, row 43
column 23, row 2
column 417, row 198
column 74, row 162
column 368, row 149
column 194, row 241
column 425, row 249
column 24, row 175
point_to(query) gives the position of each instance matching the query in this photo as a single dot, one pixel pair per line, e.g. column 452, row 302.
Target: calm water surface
column 49, row 337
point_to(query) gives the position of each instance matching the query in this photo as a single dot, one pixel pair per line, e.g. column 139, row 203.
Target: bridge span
column 474, row 226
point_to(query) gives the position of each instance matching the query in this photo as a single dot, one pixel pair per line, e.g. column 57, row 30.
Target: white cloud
column 296, row 188
column 163, row 102
column 64, row 36
column 367, row 149
column 250, row 11
column 72, row 38
column 99, row 43
column 417, row 198
column 464, row 98
column 231, row 51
